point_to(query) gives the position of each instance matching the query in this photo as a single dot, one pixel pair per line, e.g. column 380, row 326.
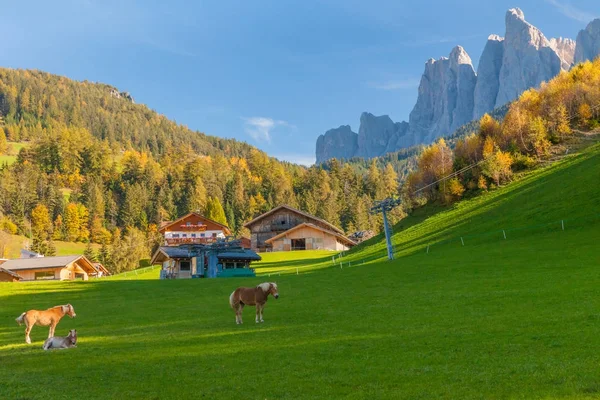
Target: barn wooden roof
column 46, row 262
column 308, row 225
column 292, row 209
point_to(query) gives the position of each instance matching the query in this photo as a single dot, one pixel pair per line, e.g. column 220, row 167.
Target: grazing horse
column 58, row 342
column 256, row 296
column 50, row 317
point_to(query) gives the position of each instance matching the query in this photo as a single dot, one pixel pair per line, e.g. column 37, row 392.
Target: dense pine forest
column 99, row 168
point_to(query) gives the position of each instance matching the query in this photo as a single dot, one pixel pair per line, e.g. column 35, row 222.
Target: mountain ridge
column 449, row 97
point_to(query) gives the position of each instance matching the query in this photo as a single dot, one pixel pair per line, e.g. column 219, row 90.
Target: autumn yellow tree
column 584, row 112
column 41, row 224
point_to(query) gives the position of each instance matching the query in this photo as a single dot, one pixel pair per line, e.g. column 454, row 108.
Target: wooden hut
column 51, row 268
column 282, row 222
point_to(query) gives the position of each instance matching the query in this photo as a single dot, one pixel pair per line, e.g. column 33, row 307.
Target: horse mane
column 66, row 308
column 265, row 286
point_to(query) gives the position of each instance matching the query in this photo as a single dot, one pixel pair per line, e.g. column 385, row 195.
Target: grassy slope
column 11, row 156
column 62, row 248
column 515, row 318
column 293, row 261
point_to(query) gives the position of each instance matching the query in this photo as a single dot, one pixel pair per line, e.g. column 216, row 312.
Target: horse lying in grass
column 50, row 317
column 256, row 296
column 58, row 342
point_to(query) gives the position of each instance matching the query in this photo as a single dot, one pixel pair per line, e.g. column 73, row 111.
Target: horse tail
column 21, row 318
column 231, row 299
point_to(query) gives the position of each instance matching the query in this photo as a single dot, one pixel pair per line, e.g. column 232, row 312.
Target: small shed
column 100, row 270
column 9, row 276
column 51, row 268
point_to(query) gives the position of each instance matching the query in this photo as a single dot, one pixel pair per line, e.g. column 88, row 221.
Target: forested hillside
column 101, row 168
column 535, row 126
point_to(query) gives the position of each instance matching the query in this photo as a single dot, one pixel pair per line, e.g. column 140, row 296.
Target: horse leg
column 241, row 309
column 262, row 307
column 27, row 332
column 238, row 318
column 257, row 313
column 51, row 330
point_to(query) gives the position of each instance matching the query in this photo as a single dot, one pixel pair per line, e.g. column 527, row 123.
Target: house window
column 185, row 266
column 175, row 235
column 184, row 235
column 202, row 235
column 214, row 235
column 193, row 235
column 44, row 275
column 188, row 224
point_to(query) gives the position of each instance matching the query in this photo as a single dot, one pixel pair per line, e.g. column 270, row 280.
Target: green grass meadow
column 495, row 318
column 11, row 155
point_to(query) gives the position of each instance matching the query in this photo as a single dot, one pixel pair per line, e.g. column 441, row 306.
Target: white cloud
column 394, row 84
column 260, row 128
column 302, row 159
column 572, row 12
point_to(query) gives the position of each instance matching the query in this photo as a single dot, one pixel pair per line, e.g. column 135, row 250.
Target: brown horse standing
column 256, row 296
column 50, row 317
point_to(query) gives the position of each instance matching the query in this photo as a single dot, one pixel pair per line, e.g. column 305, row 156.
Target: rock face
column 565, row 48
column 337, row 143
column 374, row 134
column 588, row 42
column 445, row 99
column 488, row 76
column 528, row 59
column 451, row 94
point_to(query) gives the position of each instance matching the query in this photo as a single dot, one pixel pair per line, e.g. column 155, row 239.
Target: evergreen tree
column 50, row 248
column 214, row 211
column 89, row 252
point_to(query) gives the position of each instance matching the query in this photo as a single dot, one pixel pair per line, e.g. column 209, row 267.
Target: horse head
column 73, row 336
column 273, row 290
column 69, row 310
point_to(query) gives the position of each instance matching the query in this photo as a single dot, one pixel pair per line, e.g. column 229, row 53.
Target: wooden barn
column 285, row 228
column 193, row 228
column 51, row 268
column 9, row 276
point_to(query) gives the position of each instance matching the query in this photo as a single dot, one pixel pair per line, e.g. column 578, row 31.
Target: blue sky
column 273, row 73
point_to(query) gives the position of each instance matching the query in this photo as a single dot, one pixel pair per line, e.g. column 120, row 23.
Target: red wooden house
column 193, row 228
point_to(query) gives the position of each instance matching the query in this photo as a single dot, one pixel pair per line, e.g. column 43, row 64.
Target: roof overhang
column 342, row 238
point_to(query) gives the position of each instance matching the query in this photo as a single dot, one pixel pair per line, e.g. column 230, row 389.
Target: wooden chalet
column 285, row 228
column 193, row 228
column 9, row 276
column 51, row 268
column 217, row 260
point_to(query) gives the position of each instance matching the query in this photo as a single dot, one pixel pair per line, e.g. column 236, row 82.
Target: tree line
column 100, row 169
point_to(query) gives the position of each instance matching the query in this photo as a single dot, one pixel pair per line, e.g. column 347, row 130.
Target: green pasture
column 495, row 318
column 11, row 156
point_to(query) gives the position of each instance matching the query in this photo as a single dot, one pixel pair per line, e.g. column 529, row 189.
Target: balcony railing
column 178, row 241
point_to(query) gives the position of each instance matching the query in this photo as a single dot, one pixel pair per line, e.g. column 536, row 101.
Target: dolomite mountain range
column 451, row 93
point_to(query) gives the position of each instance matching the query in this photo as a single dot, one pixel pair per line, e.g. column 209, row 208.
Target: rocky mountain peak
column 458, row 55
column 565, row 48
column 451, row 94
column 588, row 42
